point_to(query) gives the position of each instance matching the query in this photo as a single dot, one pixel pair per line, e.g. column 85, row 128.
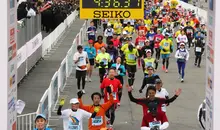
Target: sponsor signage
column 111, row 9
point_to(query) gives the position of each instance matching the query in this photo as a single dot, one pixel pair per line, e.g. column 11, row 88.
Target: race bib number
column 189, row 31
column 154, row 123
column 74, row 127
column 198, row 49
column 73, row 123
column 158, row 39
column 166, row 44
column 151, row 38
column 131, row 57
column 149, row 64
column 182, row 39
column 97, row 121
column 114, row 94
column 81, row 59
column 163, row 108
column 141, row 44
column 92, row 32
column 111, row 56
column 118, row 72
column 105, row 61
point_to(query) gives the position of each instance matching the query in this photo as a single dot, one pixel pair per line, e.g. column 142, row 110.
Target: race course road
column 182, row 113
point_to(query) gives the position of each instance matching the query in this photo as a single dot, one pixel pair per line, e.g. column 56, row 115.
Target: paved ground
column 34, row 86
column 182, row 113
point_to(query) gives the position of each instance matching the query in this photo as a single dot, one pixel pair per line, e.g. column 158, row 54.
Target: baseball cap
column 124, row 32
column 146, row 40
column 167, row 34
column 182, row 44
column 74, row 101
column 40, row 116
column 157, row 81
column 90, row 41
column 148, row 51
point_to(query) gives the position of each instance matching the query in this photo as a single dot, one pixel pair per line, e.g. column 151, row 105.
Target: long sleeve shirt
column 182, row 55
column 182, row 38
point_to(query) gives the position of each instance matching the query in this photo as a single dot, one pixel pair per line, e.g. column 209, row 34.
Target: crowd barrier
column 50, row 98
column 31, row 45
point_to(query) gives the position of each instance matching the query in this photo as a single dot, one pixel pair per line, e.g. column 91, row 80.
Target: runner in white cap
column 182, row 55
column 73, row 118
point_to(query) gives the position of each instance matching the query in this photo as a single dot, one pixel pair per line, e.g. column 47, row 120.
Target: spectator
column 31, row 12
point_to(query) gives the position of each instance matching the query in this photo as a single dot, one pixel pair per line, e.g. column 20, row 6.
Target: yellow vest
column 149, row 62
column 131, row 56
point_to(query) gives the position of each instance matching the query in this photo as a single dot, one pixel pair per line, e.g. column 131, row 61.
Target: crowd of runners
column 125, row 46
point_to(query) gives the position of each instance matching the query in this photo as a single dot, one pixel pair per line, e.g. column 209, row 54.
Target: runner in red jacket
column 157, row 39
column 116, row 87
column 139, row 43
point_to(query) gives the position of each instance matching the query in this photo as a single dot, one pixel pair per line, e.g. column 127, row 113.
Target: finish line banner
column 111, row 9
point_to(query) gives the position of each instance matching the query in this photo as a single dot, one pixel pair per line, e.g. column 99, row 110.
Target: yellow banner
column 111, row 9
column 111, row 13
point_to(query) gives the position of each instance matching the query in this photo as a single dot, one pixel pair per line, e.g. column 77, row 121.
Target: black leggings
column 104, row 26
column 190, row 42
column 157, row 53
column 81, row 75
column 120, row 78
column 102, row 72
column 111, row 113
column 131, row 69
column 198, row 57
column 167, row 62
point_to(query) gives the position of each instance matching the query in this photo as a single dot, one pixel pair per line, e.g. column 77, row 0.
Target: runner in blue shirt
column 91, row 51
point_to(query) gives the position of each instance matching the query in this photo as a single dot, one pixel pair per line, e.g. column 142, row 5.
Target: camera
column 155, row 128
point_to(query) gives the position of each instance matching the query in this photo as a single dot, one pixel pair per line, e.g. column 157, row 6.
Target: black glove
column 119, row 69
column 102, row 64
column 93, row 115
column 155, row 128
column 109, row 90
column 97, row 65
column 79, row 94
column 140, row 91
column 171, row 50
column 164, row 50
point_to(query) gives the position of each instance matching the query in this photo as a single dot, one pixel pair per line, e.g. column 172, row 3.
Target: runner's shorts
column 165, row 56
column 131, row 68
column 92, row 61
column 80, row 74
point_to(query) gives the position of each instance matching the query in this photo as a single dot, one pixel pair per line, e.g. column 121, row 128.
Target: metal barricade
column 26, row 121
column 27, row 30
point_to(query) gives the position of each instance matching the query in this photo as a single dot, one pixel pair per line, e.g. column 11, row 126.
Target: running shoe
column 163, row 67
column 90, row 80
column 110, row 127
column 180, row 76
column 166, row 71
column 119, row 104
column 83, row 91
column 86, row 78
column 108, row 122
column 182, row 80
